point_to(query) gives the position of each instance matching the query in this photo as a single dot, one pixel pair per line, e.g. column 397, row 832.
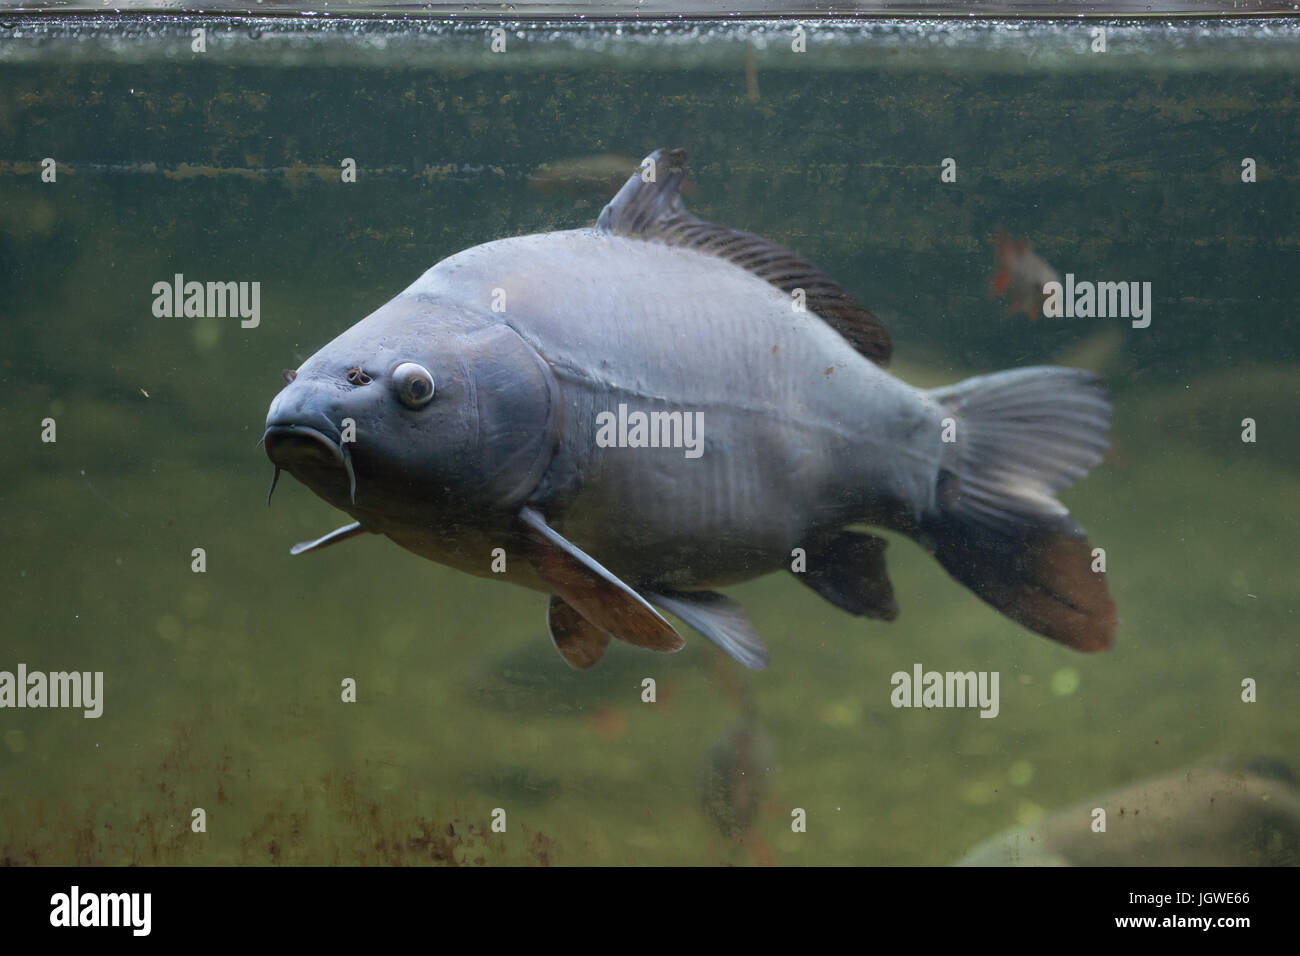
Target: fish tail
column 1017, row 438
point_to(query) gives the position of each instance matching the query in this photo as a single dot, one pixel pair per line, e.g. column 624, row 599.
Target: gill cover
column 516, row 403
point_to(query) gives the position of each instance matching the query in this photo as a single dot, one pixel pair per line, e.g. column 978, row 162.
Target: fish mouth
column 303, row 448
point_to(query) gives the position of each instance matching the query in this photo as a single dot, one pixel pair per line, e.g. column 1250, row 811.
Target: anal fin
column 721, row 620
column 579, row 641
column 848, row 569
column 593, row 591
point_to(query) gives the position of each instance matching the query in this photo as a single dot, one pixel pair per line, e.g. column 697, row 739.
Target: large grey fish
column 1226, row 812
column 502, row 401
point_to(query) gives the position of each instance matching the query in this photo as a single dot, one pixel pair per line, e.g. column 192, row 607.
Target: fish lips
column 320, row 461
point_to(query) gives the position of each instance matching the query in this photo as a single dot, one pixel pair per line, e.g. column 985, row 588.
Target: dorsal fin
column 654, row 210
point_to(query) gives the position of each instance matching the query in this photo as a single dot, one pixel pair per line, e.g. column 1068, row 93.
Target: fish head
column 423, row 411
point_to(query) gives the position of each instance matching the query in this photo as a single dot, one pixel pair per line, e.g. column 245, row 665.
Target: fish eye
column 289, row 375
column 414, row 384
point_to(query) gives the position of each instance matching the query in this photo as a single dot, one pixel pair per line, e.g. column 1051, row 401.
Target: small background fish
column 1019, row 275
column 735, row 773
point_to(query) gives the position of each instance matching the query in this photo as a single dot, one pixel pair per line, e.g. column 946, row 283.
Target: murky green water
column 222, row 689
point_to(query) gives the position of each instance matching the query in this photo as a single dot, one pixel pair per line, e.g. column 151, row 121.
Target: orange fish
column 1021, row 274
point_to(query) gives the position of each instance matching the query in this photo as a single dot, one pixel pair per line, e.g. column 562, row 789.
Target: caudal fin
column 1021, row 437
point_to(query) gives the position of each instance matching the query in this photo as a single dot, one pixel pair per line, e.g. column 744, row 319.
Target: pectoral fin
column 592, row 591
column 580, row 642
column 848, row 569
column 721, row 620
column 334, row 537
